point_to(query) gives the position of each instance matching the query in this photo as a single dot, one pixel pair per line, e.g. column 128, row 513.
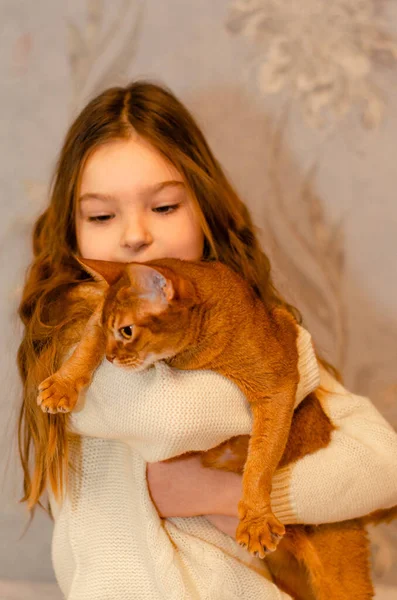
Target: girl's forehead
column 132, row 164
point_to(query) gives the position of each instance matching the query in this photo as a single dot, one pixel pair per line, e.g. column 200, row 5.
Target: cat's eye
column 126, row 332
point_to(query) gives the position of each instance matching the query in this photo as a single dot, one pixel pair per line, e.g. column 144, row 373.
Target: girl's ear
column 101, row 270
column 150, row 283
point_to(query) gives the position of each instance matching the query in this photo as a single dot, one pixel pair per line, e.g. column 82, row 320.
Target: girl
column 136, row 181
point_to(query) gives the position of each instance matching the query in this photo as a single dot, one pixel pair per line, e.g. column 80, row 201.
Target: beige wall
column 322, row 194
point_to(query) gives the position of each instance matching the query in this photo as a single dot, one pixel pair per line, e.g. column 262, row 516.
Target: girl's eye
column 126, row 332
column 100, row 218
column 168, row 208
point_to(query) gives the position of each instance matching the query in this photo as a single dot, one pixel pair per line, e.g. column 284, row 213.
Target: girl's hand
column 184, row 488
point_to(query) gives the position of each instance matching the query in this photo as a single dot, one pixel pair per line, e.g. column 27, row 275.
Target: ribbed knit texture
column 109, row 542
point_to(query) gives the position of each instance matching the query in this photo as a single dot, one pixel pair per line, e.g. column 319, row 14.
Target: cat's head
column 147, row 311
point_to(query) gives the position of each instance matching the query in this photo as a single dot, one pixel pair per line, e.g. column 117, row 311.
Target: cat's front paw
column 57, row 395
column 258, row 531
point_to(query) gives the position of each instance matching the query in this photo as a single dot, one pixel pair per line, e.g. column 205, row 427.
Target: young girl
column 137, row 181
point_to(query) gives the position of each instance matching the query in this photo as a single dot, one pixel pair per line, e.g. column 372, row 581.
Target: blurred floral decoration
column 321, row 53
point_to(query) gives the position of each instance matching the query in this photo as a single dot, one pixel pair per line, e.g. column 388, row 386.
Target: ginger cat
column 202, row 315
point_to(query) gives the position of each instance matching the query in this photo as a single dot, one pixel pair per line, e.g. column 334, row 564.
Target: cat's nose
column 110, row 357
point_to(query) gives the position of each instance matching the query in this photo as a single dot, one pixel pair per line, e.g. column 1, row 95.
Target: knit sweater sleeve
column 353, row 476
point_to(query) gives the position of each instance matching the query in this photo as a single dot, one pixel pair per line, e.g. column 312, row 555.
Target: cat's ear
column 101, row 270
column 150, row 283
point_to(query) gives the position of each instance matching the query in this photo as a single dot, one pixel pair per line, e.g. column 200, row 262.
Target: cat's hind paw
column 258, row 532
column 56, row 395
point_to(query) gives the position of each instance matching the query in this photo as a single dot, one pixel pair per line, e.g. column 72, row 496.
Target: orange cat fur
column 198, row 315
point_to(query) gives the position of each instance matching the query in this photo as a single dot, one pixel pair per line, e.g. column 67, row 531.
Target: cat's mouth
column 141, row 363
column 137, row 363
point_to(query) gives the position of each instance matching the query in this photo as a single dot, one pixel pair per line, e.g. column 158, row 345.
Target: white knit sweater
column 109, row 542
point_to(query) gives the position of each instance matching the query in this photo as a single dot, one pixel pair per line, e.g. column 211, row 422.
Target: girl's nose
column 136, row 235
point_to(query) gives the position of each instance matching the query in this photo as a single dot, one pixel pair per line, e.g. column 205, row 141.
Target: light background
column 302, row 114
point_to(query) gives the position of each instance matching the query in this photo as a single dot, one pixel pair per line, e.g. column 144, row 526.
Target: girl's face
column 133, row 206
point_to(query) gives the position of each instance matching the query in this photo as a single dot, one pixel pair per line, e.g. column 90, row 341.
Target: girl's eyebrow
column 148, row 190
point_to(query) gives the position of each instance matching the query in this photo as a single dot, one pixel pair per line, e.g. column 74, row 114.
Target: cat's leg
column 60, row 392
column 344, row 552
column 289, row 573
column 259, row 529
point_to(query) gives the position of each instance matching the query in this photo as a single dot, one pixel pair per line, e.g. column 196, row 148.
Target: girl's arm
column 354, row 475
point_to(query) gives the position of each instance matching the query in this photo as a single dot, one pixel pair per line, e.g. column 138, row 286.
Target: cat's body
column 199, row 315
